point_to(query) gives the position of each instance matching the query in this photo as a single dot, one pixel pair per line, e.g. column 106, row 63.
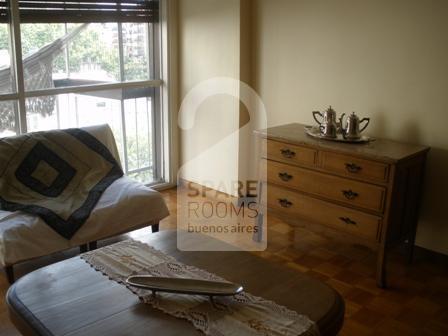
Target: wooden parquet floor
column 415, row 304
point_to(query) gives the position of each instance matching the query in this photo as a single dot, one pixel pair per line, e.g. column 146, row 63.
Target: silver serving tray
column 184, row 286
column 314, row 131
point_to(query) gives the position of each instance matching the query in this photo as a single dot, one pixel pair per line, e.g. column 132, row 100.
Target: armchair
column 126, row 205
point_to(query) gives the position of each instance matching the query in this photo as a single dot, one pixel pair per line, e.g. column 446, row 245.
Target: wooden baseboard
column 421, row 253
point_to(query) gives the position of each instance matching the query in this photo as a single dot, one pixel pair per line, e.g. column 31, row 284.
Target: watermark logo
column 221, row 203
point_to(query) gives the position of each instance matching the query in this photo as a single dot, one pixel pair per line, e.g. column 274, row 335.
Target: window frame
column 163, row 122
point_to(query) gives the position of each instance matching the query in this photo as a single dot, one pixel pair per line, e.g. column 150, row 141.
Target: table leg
column 83, row 248
column 155, row 228
column 9, row 270
column 93, row 245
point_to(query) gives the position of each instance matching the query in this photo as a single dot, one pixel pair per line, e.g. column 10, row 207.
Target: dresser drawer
column 355, row 167
column 338, row 217
column 294, row 154
column 351, row 192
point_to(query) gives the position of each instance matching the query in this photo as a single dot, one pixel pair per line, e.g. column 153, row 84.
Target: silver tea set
column 330, row 126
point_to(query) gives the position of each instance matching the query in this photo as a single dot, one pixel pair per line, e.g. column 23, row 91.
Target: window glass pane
column 5, row 56
column 43, row 54
column 139, row 116
column 94, row 54
column 57, row 55
column 72, row 110
column 7, row 118
column 6, row 78
column 136, row 51
column 37, row 35
column 128, row 112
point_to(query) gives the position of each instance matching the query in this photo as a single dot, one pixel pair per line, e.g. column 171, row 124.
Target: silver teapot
column 327, row 125
column 351, row 131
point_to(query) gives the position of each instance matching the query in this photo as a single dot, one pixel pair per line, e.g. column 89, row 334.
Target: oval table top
column 71, row 298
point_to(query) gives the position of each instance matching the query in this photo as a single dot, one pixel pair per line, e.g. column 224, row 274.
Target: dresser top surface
column 379, row 149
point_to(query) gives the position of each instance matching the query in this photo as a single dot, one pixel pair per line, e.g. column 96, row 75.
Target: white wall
column 386, row 59
column 209, row 46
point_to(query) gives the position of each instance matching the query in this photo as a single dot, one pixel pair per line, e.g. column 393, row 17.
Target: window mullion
column 123, row 114
column 88, row 88
column 66, row 54
column 120, row 51
column 17, row 64
column 149, row 51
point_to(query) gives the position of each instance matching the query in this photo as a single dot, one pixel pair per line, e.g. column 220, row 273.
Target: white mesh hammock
column 38, row 74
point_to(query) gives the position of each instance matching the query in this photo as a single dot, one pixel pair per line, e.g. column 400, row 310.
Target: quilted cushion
column 125, row 206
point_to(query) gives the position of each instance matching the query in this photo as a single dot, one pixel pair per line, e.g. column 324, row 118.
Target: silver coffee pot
column 327, row 125
column 351, row 130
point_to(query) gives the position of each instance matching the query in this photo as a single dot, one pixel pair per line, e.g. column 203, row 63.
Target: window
column 74, row 64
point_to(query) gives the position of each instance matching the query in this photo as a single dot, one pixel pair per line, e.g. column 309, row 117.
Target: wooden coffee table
column 71, row 298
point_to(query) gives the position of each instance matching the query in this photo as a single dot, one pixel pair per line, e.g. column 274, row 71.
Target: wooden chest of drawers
column 369, row 191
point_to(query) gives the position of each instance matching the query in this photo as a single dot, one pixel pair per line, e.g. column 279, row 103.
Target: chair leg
column 83, row 248
column 155, row 228
column 9, row 270
column 93, row 245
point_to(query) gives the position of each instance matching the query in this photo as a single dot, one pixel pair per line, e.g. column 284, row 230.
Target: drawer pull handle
column 352, row 167
column 347, row 220
column 284, row 203
column 287, row 153
column 285, row 177
column 350, row 194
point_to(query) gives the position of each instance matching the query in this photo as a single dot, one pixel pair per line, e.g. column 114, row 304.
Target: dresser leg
column 410, row 244
column 419, row 192
column 258, row 236
column 381, row 268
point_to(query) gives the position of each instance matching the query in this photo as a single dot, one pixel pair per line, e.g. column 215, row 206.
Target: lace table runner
column 242, row 314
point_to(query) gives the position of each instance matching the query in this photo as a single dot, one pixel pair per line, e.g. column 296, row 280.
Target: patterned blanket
column 57, row 175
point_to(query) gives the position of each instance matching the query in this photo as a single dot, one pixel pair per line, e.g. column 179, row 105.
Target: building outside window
column 71, row 64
